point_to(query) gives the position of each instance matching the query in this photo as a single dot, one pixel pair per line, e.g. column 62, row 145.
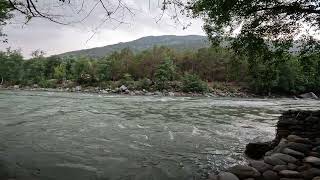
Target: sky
column 141, row 19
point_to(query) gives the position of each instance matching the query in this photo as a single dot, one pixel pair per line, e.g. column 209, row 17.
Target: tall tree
column 276, row 19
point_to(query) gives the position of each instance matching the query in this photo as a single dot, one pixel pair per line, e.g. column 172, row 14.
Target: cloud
column 54, row 38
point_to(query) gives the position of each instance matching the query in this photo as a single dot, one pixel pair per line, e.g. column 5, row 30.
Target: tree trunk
column 1, row 80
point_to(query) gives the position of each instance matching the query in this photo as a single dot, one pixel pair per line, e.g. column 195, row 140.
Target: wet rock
column 309, row 95
column 270, row 175
column 127, row 91
column 316, row 178
column 16, row 87
column 293, row 153
column 226, row 176
column 279, row 168
column 277, row 149
column 171, row 93
column 260, row 166
column 213, row 177
column 316, row 149
column 314, row 154
column 311, row 173
column 292, row 166
column 285, row 157
column 158, row 93
column 244, row 171
column 290, row 174
column 304, row 167
column 312, row 160
column 291, row 179
column 298, row 139
column 78, row 88
column 258, row 150
column 274, row 160
column 299, row 147
column 123, row 88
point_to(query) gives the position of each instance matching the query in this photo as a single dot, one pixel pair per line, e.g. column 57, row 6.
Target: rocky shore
column 126, row 91
column 293, row 155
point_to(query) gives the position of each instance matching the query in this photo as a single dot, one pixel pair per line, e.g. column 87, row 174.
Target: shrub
column 192, row 83
column 52, row 83
column 144, row 83
column 127, row 80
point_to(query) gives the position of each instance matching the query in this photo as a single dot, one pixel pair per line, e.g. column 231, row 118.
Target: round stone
column 260, row 166
column 226, row 176
column 290, row 174
column 312, row 160
column 270, row 175
column 244, row 172
column 279, row 168
column 274, row 160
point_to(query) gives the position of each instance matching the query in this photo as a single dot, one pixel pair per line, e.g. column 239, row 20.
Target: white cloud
column 55, row 39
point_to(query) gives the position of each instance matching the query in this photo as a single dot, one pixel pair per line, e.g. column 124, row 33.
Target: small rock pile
column 302, row 123
column 294, row 158
column 294, row 154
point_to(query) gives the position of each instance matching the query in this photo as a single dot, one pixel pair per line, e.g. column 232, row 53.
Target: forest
column 268, row 68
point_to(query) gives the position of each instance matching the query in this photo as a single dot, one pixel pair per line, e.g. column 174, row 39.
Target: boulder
column 270, row 175
column 293, row 153
column 316, row 149
column 127, row 91
column 312, row 160
column 314, row 154
column 292, row 166
column 298, row 139
column 291, row 179
column 16, row 87
column 244, row 172
column 311, row 173
column 304, row 167
column 316, row 178
column 78, row 88
column 260, row 166
column 309, row 95
column 158, row 93
column 285, row 157
column 304, row 148
column 226, row 176
column 279, row 168
column 171, row 93
column 290, row 174
column 212, row 177
column 258, row 150
column 274, row 160
column 123, row 88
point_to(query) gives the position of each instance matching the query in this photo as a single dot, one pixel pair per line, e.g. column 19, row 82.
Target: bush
column 144, row 83
column 127, row 80
column 52, row 83
column 192, row 83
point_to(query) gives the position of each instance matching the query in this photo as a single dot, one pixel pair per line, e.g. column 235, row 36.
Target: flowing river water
column 63, row 136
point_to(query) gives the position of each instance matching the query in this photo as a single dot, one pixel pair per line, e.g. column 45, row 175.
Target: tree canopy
column 274, row 19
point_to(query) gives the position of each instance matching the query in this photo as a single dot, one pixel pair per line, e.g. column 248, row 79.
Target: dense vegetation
column 264, row 70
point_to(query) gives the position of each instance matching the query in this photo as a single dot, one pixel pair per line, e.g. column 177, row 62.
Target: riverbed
column 62, row 136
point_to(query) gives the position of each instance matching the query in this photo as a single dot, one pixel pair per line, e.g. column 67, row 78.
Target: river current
column 63, row 136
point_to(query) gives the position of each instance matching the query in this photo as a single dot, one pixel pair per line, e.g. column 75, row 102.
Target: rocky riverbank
column 294, row 154
column 132, row 92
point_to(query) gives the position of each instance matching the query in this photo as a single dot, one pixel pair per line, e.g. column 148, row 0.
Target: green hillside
column 179, row 43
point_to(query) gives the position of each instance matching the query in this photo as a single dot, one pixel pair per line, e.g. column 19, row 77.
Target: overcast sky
column 54, row 38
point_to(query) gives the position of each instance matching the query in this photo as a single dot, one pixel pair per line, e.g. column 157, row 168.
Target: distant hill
column 179, row 43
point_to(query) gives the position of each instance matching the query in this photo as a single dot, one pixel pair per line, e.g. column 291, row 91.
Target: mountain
column 179, row 43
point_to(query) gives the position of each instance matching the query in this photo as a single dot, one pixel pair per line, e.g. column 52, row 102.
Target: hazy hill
column 192, row 42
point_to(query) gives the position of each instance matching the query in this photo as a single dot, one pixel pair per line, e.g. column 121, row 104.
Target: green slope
column 179, row 43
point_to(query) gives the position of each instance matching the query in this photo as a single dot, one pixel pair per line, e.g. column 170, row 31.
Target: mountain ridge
column 179, row 43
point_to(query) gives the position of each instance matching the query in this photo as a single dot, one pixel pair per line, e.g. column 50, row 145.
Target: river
column 63, row 136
